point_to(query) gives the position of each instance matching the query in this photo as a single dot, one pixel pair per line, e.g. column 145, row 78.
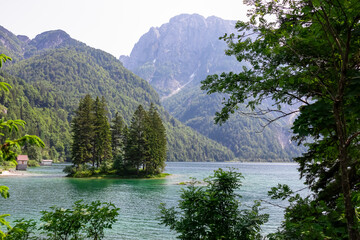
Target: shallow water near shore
column 138, row 199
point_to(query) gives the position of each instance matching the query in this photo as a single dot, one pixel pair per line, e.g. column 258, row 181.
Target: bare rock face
column 181, row 52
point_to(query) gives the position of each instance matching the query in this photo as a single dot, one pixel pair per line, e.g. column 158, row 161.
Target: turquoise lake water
column 137, row 199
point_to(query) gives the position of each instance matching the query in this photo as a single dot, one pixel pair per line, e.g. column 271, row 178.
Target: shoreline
column 17, row 173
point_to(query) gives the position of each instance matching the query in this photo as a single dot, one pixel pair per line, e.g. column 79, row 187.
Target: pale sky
column 111, row 25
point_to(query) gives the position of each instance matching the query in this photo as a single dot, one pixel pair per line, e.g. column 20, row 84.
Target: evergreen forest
column 100, row 147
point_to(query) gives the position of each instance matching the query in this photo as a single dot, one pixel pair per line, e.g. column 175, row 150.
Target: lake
column 138, row 199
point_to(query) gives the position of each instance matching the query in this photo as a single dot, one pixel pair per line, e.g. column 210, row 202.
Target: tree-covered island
column 101, row 149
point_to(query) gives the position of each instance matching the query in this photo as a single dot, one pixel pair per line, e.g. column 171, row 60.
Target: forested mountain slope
column 245, row 136
column 176, row 57
column 53, row 71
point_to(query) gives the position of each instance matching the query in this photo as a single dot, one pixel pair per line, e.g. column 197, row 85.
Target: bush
column 81, row 221
column 33, row 163
column 79, row 172
column 213, row 211
column 6, row 165
column 23, row 230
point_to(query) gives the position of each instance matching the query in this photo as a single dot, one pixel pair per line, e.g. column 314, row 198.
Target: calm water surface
column 138, row 200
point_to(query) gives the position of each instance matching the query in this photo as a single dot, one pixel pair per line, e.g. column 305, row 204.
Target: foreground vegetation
column 306, row 52
column 214, row 211
column 83, row 221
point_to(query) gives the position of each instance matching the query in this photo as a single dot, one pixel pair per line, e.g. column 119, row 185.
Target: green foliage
column 83, row 135
column 146, row 142
column 8, row 146
column 91, row 134
column 83, row 220
column 214, row 211
column 241, row 133
column 118, row 136
column 137, row 145
column 102, row 142
column 308, row 218
column 306, row 52
column 80, row 171
column 3, row 58
column 155, row 159
column 23, row 230
column 4, row 191
column 198, row 147
column 50, row 123
column 33, row 163
column 5, row 223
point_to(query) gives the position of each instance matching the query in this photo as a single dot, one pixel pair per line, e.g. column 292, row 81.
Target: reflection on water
column 138, row 199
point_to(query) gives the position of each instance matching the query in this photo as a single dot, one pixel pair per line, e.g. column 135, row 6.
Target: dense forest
column 246, row 136
column 54, row 72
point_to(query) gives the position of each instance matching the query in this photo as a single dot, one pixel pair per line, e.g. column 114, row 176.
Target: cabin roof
column 23, row 157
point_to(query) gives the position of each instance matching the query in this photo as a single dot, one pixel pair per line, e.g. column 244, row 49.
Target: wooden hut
column 22, row 161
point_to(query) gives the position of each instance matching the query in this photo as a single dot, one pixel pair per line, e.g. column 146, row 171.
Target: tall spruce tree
column 117, row 135
column 137, row 143
column 156, row 136
column 82, row 128
column 118, row 139
column 102, row 141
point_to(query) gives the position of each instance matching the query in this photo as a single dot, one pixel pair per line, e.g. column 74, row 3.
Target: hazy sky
column 111, row 25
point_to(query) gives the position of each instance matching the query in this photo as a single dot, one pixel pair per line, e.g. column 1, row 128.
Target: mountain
column 181, row 52
column 176, row 57
column 50, row 74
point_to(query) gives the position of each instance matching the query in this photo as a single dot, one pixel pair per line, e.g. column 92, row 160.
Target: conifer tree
column 156, row 137
column 137, row 144
column 118, row 140
column 117, row 135
column 82, row 128
column 102, row 137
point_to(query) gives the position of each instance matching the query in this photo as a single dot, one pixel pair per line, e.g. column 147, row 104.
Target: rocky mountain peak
column 181, row 52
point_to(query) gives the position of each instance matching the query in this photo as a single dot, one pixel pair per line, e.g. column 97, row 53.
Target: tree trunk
column 344, row 164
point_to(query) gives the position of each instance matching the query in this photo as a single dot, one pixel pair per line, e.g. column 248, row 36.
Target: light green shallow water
column 138, row 200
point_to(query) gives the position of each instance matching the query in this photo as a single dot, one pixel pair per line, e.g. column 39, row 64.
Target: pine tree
column 82, row 128
column 102, row 153
column 156, row 136
column 117, row 135
column 137, row 145
column 118, row 140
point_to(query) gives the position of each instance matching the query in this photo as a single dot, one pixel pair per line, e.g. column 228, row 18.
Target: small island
column 103, row 150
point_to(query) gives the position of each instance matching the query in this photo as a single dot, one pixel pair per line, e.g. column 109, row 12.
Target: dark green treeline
column 98, row 146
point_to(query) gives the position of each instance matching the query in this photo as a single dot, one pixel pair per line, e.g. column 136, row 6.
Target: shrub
column 33, row 163
column 213, row 211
